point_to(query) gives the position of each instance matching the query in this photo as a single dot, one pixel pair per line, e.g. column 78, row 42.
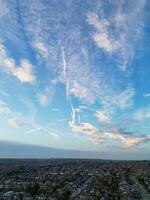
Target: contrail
column 67, row 85
column 34, row 130
column 64, row 72
column 64, row 62
column 51, row 131
column 73, row 113
column 47, row 129
column 67, row 90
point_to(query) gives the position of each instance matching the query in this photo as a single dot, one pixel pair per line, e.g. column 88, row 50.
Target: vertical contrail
column 64, row 72
column 73, row 114
column 67, row 90
column 64, row 62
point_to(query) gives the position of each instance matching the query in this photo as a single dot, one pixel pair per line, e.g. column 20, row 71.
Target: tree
column 34, row 189
column 66, row 195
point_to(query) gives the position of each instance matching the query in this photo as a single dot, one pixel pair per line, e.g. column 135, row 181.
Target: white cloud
column 99, row 136
column 4, row 108
column 3, row 9
column 143, row 113
column 86, row 129
column 16, row 123
column 101, row 36
column 56, row 109
column 127, row 139
column 82, row 92
column 9, row 65
column 79, row 91
column 78, row 110
column 125, row 98
column 82, row 107
column 113, row 134
column 41, row 49
column 24, row 71
column 119, row 31
column 122, row 100
column 46, row 96
column 102, row 117
column 147, row 95
column 133, row 141
column 43, row 99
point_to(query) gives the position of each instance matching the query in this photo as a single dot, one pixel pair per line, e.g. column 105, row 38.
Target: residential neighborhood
column 73, row 179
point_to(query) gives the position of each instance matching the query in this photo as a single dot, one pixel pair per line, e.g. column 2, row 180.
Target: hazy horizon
column 13, row 150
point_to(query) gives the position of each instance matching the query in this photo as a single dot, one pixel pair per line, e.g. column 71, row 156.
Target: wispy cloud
column 101, row 36
column 16, row 123
column 128, row 139
column 3, row 10
column 56, row 109
column 143, row 113
column 4, row 93
column 147, row 95
column 56, row 122
column 96, row 135
column 134, row 141
column 125, row 98
column 43, row 99
column 102, row 117
column 4, row 108
column 118, row 100
column 114, row 33
column 86, row 129
column 41, row 49
column 46, row 96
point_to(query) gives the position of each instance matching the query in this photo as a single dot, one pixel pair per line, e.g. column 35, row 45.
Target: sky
column 75, row 75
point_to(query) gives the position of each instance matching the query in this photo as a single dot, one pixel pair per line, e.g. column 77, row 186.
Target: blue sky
column 75, row 74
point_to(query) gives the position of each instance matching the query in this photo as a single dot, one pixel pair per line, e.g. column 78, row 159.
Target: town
column 62, row 179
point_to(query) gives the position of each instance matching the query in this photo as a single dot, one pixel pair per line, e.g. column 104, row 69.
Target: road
column 80, row 189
